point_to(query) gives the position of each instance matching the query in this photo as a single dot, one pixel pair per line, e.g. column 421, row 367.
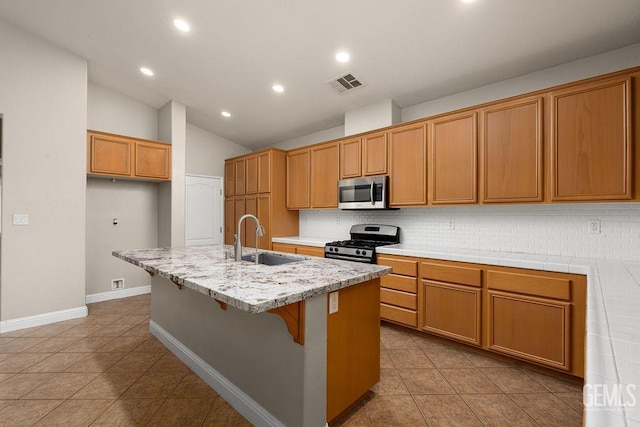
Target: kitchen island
column 289, row 344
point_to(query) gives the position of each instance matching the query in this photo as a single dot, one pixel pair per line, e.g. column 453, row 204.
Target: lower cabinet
column 299, row 249
column 532, row 315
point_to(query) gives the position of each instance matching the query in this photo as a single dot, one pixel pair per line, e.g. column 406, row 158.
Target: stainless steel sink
column 270, row 259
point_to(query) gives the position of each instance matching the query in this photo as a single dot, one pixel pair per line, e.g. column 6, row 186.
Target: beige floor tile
column 498, row 410
column 385, row 360
column 121, row 344
column 5, row 377
column 555, row 385
column 134, row 319
column 169, row 363
column 5, row 403
column 446, row 410
column 112, row 330
column 385, row 411
column 82, row 330
column 431, row 344
column 425, row 381
column 96, row 362
column 87, row 345
column 53, row 345
column 151, row 345
column 548, row 410
column 21, row 361
column 390, row 383
column 193, row 386
column 358, row 418
column 223, row 415
column 21, row 344
column 154, row 385
column 20, row 384
column 26, row 412
column 58, row 362
column 75, row 413
column 5, row 356
column 62, row 386
column 105, row 319
column 469, row 381
column 48, row 331
column 135, row 362
column 141, row 330
column 513, row 380
column 182, row 412
column 448, row 358
column 410, row 359
column 109, row 385
column 19, row 332
column 128, row 413
column 573, row 399
column 397, row 341
column 481, row 361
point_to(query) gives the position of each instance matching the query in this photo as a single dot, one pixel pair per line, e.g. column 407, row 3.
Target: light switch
column 333, row 302
column 20, row 219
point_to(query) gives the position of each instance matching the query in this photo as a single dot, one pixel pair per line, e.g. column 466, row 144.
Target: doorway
column 203, row 210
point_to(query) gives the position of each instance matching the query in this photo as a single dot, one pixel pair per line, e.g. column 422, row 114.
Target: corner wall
column 43, row 100
column 206, row 152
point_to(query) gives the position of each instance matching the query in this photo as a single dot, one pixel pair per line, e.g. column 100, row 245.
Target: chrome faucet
column 237, row 245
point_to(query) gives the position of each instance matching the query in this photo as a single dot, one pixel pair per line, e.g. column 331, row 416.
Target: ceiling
column 410, row 51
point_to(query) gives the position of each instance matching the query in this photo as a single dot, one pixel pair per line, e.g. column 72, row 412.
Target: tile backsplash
column 559, row 229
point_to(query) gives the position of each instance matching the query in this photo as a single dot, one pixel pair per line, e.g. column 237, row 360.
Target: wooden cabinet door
column 452, row 310
column 535, row 329
column 229, row 218
column 251, row 165
column 284, row 247
column 109, row 155
column 512, row 151
column 590, row 141
column 298, row 169
column 240, row 176
column 408, row 165
column 310, row 251
column 453, row 159
column 229, row 178
column 152, row 160
column 264, row 215
column 250, row 207
column 374, row 154
column 325, row 161
column 238, row 211
column 264, row 172
column 350, row 158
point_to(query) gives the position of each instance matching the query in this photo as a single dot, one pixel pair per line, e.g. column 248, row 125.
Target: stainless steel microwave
column 370, row 192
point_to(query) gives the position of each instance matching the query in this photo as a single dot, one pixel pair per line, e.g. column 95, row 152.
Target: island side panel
column 255, row 352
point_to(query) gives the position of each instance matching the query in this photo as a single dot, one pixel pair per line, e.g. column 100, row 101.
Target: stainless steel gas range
column 362, row 245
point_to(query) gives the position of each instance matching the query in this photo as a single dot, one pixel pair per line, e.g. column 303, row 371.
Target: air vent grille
column 345, row 83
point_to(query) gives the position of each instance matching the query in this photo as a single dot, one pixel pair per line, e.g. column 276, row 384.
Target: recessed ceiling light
column 467, row 1
column 146, row 71
column 277, row 88
column 342, row 57
column 226, row 114
column 181, row 25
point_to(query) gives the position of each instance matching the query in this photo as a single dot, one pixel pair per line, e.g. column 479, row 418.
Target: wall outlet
column 333, row 302
column 594, row 226
column 20, row 219
column 117, row 284
column 114, row 221
column 337, row 220
column 451, row 224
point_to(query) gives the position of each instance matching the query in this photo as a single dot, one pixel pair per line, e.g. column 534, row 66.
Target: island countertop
column 245, row 285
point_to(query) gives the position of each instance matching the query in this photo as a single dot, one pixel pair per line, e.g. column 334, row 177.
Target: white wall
column 313, row 138
column 206, row 152
column 43, row 96
column 375, row 116
column 134, row 203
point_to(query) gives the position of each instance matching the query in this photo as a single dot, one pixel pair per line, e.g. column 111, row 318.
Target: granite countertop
column 245, row 285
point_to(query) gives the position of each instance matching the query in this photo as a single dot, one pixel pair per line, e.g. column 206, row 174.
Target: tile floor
column 107, row 369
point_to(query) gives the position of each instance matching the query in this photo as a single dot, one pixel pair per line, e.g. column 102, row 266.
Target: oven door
column 363, row 193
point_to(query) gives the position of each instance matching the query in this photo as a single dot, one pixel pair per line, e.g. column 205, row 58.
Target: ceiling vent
column 343, row 84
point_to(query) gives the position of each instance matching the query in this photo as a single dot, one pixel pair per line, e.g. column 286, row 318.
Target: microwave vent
column 345, row 83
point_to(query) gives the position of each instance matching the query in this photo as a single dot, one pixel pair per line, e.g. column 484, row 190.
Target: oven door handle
column 371, row 193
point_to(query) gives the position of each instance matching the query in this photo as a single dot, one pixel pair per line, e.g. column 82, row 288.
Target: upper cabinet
column 325, row 161
column 408, row 165
column 453, row 159
column 251, row 183
column 120, row 156
column 298, row 169
column 512, row 142
column 229, row 178
column 240, row 176
column 591, row 141
column 364, row 156
column 350, row 158
column 264, row 172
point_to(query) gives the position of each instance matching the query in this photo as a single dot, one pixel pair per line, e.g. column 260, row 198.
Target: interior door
column 204, row 210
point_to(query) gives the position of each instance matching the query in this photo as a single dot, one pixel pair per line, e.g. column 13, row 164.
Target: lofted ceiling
column 410, row 51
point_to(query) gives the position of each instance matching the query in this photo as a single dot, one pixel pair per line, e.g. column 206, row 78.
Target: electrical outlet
column 337, row 220
column 452, row 224
column 114, row 221
column 594, row 226
column 117, row 284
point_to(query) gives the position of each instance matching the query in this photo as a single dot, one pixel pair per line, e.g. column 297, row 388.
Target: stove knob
column 336, row 249
column 358, row 252
column 364, row 252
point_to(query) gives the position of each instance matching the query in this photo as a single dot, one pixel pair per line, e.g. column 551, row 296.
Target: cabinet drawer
column 399, row 298
column 400, row 266
column 399, row 283
column 310, row 251
column 452, row 274
column 399, row 315
column 550, row 287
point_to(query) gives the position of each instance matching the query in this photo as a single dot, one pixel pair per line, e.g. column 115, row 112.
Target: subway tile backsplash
column 559, row 229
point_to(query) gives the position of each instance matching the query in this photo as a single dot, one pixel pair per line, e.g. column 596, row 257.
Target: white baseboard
column 120, row 293
column 42, row 319
column 245, row 405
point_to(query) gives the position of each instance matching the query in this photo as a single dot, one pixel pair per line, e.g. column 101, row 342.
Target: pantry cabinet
column 324, row 174
column 408, row 165
column 453, row 159
column 112, row 155
column 512, row 146
column 264, row 172
column 229, row 178
column 251, row 165
column 591, row 144
column 240, row 176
